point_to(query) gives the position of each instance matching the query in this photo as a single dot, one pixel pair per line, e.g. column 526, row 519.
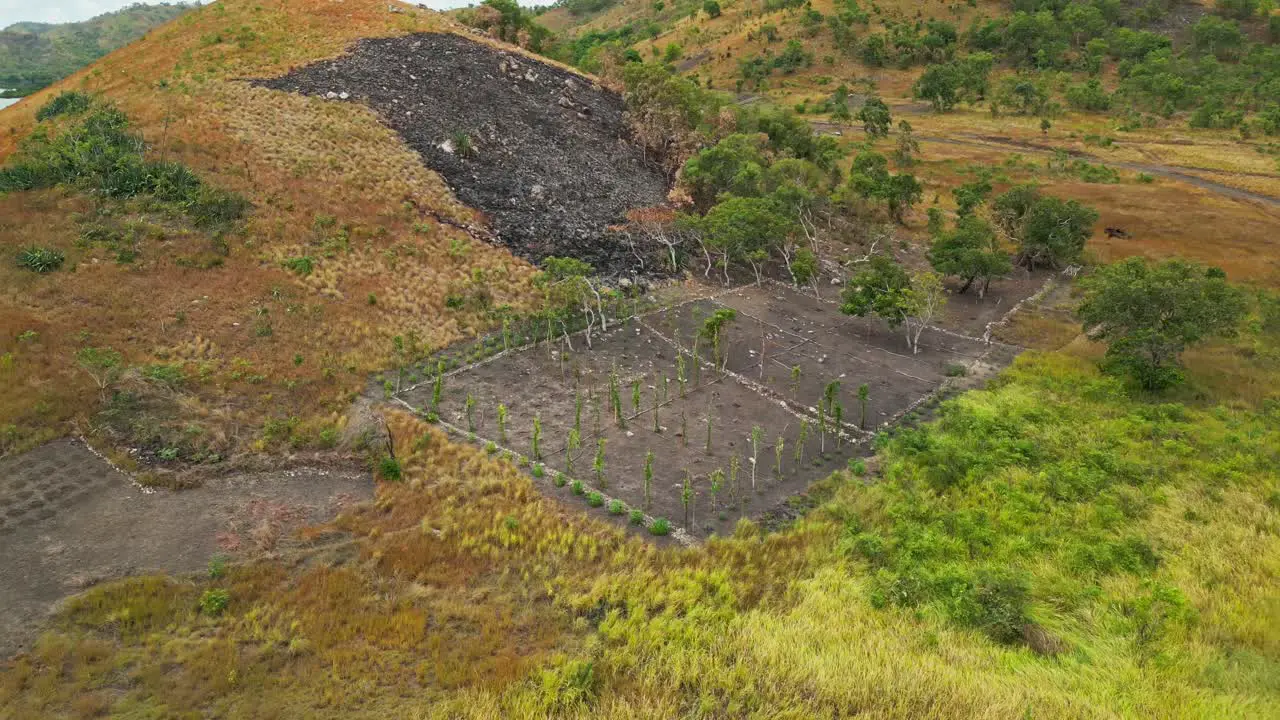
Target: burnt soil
column 551, row 165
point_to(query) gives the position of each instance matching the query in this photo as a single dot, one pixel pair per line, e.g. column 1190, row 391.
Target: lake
column 6, row 102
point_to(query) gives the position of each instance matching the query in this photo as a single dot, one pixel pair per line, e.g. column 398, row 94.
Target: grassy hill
column 1058, row 544
column 259, row 341
column 33, row 55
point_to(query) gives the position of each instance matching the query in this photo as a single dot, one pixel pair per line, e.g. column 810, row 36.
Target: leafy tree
column 1216, row 36
column 904, row 153
column 711, row 8
column 734, row 165
column 881, row 288
column 1053, row 232
column 940, row 85
column 1011, row 207
column 1148, row 314
column 885, row 290
column 971, row 252
column 745, row 230
column 972, row 194
column 839, row 104
column 1238, row 9
column 870, row 178
column 875, row 117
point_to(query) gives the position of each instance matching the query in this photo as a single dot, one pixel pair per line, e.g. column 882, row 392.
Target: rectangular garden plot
column 760, row 380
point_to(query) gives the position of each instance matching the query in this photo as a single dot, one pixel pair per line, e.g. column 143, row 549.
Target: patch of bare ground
column 69, row 520
column 741, row 436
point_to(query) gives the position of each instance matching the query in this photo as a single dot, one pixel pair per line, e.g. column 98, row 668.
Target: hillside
column 359, row 362
column 34, row 55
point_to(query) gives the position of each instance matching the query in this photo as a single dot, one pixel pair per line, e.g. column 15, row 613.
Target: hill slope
column 33, row 55
column 348, row 256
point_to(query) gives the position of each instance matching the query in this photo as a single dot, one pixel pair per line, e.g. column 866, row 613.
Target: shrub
column 538, row 470
column 389, row 469
column 577, row 488
column 559, row 480
column 68, row 102
column 660, row 526
column 637, row 517
column 214, row 601
column 595, row 499
column 217, row 566
column 996, row 604
column 303, row 265
column 40, row 259
column 616, row 507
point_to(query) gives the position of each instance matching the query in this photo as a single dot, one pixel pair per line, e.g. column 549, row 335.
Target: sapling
column 598, row 463
column 778, row 448
column 734, row 466
column 595, row 407
column 502, row 424
column 684, row 430
column 680, row 376
column 635, row 396
column 717, row 482
column 822, row 425
column 757, row 433
column 656, row 426
column 648, row 480
column 863, row 393
column 437, row 387
column 708, row 448
column 536, row 439
column 506, row 334
column 798, row 455
column 837, row 415
column 686, row 495
column 697, row 362
column 795, row 381
column 470, row 405
column 577, row 411
column 830, row 399
column 575, row 442
column 666, row 387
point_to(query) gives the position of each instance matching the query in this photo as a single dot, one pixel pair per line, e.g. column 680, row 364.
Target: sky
column 61, row 11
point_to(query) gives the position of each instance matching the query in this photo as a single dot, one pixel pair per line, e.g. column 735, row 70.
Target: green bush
column 577, row 487
column 636, row 517
column 559, row 480
column 214, row 601
column 389, row 469
column 595, row 499
column 660, row 526
column 616, row 507
column 40, row 259
column 67, row 102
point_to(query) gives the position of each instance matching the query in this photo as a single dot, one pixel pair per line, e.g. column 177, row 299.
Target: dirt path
column 69, row 520
column 1168, row 171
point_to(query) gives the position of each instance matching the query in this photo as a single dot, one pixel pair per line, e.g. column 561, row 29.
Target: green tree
column 711, row 8
column 744, row 230
column 875, row 117
column 972, row 194
column 1216, row 36
column 870, row 178
column 734, row 165
column 884, row 289
column 970, row 251
column 940, row 85
column 1053, row 232
column 1148, row 314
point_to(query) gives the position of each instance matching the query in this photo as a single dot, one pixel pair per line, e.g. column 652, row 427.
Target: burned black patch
column 544, row 154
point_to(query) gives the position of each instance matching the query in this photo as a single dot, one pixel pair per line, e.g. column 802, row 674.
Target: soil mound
column 543, row 153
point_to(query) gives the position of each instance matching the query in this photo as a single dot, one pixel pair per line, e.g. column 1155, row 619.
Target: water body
column 6, row 102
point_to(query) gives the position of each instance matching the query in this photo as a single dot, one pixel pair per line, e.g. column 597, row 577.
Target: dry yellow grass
column 326, row 179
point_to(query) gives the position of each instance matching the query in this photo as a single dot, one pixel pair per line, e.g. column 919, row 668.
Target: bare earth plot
column 749, row 384
column 69, row 520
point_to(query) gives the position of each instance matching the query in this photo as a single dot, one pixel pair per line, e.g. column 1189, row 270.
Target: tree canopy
column 1149, row 313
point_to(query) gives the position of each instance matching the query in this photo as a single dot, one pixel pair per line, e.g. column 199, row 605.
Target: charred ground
column 540, row 150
